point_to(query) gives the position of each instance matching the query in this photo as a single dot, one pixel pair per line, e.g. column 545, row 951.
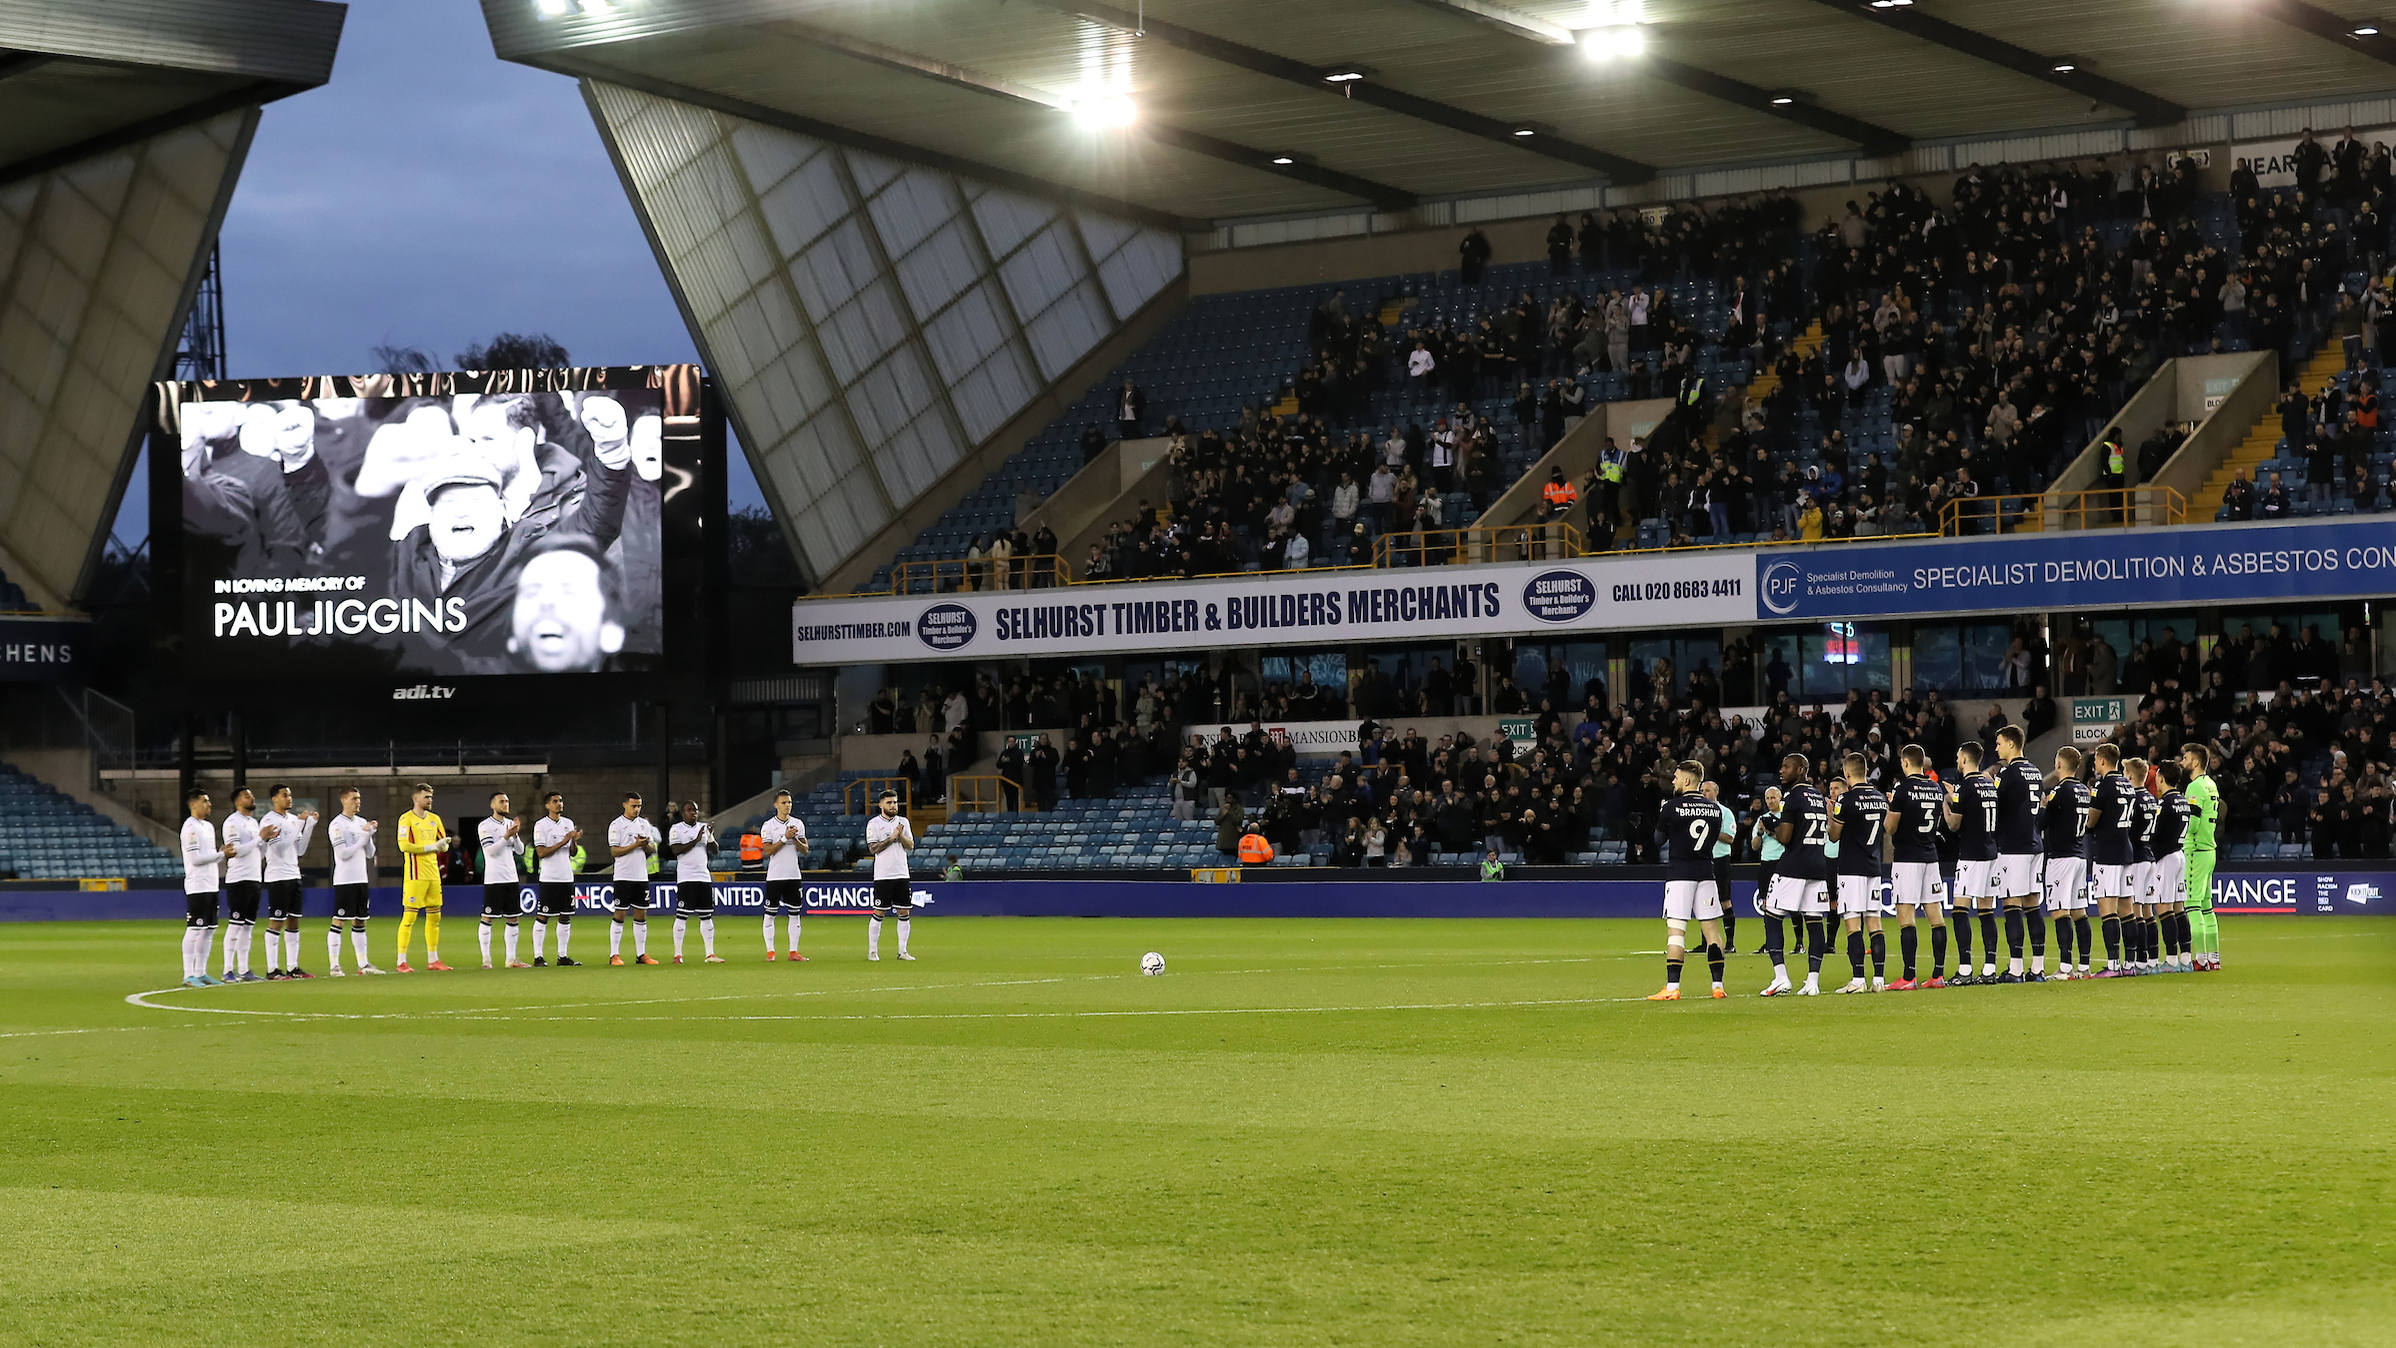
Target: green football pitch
column 1306, row 1132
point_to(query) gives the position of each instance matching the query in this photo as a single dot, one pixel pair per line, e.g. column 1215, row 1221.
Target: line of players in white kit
column 257, row 860
column 2027, row 848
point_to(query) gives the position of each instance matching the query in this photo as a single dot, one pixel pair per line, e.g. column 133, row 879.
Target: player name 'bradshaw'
column 349, row 617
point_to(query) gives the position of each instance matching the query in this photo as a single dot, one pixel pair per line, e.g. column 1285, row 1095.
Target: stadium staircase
column 47, row 835
column 2263, row 450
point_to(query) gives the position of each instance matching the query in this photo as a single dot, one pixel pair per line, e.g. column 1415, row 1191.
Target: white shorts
column 1973, row 878
column 2170, row 883
column 2016, row 876
column 1859, row 896
column 2142, row 877
column 1918, row 883
column 2109, row 881
column 1792, row 897
column 2067, row 884
column 1686, row 900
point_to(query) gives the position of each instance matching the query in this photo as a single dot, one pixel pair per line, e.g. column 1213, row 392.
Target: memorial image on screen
column 444, row 524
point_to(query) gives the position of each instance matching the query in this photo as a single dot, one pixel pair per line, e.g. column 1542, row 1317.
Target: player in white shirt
column 501, row 898
column 553, row 845
column 352, row 838
column 284, row 836
column 888, row 836
column 694, row 885
column 203, row 861
column 785, row 842
column 633, row 840
column 245, row 868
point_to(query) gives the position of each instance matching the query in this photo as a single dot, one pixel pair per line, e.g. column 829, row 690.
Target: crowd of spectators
column 1998, row 332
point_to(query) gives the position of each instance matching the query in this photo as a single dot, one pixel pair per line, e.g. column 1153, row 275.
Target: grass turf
column 1308, row 1132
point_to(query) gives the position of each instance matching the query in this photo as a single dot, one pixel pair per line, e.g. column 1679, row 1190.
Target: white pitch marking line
column 493, row 1012
column 1185, row 1011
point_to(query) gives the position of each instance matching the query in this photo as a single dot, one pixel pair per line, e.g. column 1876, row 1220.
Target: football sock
column 1938, row 951
column 332, row 946
column 1817, row 944
column 640, row 937
column 681, row 924
column 706, row 933
column 2016, row 926
column 291, row 937
column 2038, row 940
column 1880, row 956
column 511, row 942
column 1713, row 961
column 237, row 937
column 615, row 939
column 483, row 933
column 1988, row 940
column 902, row 926
column 1776, row 935
column 2187, row 938
column 1855, row 952
column 1730, row 923
column 407, row 931
column 357, row 943
column 873, row 936
column 2171, row 937
column 565, row 935
column 189, row 971
column 2112, row 927
column 2087, row 947
column 540, row 939
column 794, row 933
column 2209, row 933
column 1909, row 946
column 770, row 947
column 1963, row 941
column 432, row 936
column 1672, row 970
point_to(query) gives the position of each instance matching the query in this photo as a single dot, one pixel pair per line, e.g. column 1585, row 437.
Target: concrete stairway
column 2262, row 438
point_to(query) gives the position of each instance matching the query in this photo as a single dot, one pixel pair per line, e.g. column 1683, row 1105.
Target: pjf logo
column 1781, row 583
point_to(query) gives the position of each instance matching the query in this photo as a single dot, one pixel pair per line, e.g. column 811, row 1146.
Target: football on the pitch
column 1152, row 964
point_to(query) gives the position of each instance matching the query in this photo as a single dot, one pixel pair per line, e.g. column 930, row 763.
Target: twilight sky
column 432, row 195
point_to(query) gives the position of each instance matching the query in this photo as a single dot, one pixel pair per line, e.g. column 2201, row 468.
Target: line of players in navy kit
column 2029, row 850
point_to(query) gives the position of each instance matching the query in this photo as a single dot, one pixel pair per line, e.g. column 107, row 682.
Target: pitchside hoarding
column 2027, row 573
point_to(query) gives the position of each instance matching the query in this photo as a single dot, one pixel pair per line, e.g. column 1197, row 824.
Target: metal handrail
column 981, row 793
column 872, row 788
column 1551, row 540
column 948, row 575
column 2089, row 508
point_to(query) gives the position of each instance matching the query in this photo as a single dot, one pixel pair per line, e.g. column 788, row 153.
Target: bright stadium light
column 1348, row 75
column 1283, row 160
column 1105, row 111
column 554, row 8
column 1614, row 40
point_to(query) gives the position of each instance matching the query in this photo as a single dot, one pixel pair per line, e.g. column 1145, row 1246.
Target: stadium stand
column 1900, row 356
column 45, row 835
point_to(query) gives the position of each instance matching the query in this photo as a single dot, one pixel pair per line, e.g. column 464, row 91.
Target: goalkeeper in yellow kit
column 422, row 843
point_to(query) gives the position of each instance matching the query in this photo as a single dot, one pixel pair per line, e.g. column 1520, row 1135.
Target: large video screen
column 442, row 524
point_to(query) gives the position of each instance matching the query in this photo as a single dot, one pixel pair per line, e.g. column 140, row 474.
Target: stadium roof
column 1450, row 98
column 77, row 79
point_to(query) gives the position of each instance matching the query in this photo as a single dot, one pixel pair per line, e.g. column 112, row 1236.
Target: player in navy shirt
column 2111, row 815
column 1800, row 884
column 1916, row 809
column 2172, row 814
column 1972, row 813
column 1687, row 827
column 2018, row 784
column 2142, row 867
column 2065, row 877
column 1858, row 827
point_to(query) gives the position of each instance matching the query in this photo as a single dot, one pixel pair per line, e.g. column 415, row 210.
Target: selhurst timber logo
column 1558, row 596
column 946, row 627
column 1780, row 586
column 423, row 692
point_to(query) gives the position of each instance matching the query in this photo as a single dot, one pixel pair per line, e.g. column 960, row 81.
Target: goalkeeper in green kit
column 2197, row 845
